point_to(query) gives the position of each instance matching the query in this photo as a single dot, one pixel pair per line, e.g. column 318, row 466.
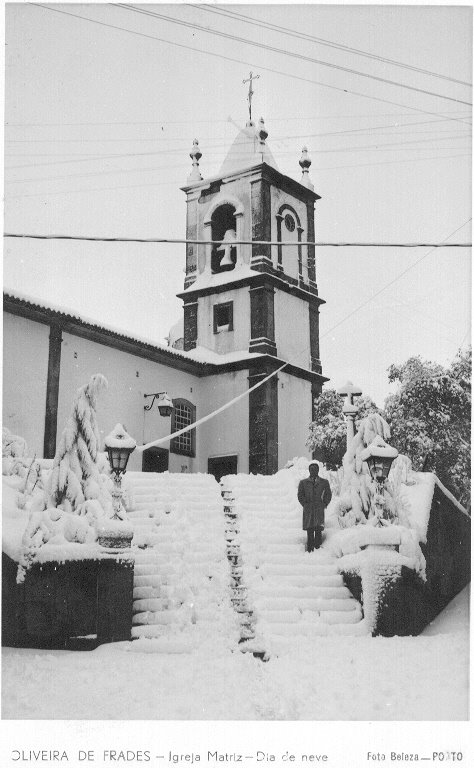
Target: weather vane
column 251, row 92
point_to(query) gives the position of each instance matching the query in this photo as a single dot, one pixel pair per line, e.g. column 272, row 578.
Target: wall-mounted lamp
column 165, row 403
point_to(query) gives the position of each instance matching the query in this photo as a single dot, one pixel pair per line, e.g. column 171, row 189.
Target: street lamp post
column 379, row 457
column 350, row 411
column 119, row 445
column 165, row 403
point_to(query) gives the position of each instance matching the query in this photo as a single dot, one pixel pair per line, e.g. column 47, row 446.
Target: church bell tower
column 250, row 291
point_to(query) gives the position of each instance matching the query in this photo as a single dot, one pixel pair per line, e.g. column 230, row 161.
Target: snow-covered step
column 294, row 594
column 155, row 617
column 149, row 604
column 302, row 629
column 284, row 603
column 302, row 568
column 328, row 580
column 345, row 603
column 339, row 617
column 181, row 571
column 145, row 593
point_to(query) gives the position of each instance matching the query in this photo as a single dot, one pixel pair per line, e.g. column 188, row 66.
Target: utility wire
column 282, row 51
column 293, row 243
column 240, row 61
column 321, row 41
column 365, row 129
column 151, row 153
column 214, row 122
column 166, row 183
column 395, row 279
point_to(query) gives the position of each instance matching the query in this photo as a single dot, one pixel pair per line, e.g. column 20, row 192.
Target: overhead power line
column 293, row 243
column 240, row 61
column 174, row 167
column 395, row 279
column 301, row 118
column 166, row 183
column 159, row 139
column 321, row 41
column 282, row 51
column 151, row 153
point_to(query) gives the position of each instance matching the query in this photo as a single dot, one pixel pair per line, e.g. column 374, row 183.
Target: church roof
column 247, row 150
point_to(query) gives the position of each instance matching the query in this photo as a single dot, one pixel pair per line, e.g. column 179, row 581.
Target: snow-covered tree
column 327, row 433
column 75, row 478
column 429, row 417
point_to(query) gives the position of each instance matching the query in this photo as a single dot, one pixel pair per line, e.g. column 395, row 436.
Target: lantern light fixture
column 119, row 445
column 165, row 403
column 379, row 457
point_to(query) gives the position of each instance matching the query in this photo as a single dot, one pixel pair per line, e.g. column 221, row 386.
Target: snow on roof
column 247, row 151
column 71, row 314
column 209, row 356
column 207, row 279
column 176, row 331
column 200, row 355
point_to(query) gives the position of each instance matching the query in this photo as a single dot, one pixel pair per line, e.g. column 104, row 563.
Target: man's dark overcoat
column 314, row 496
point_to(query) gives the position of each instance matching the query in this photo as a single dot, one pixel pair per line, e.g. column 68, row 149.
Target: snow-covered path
column 329, row 678
column 294, row 595
column 181, row 580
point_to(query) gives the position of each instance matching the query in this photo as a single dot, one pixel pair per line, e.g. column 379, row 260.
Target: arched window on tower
column 223, row 230
column 289, row 230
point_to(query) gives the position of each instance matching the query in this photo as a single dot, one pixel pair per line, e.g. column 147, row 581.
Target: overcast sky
column 100, row 122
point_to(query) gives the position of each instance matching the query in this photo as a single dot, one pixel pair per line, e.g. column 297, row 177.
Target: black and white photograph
column 236, row 381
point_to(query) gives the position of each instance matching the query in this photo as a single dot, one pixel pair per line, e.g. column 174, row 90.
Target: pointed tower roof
column 248, row 149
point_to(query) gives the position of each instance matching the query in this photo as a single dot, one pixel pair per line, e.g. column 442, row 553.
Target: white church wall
column 123, row 401
column 294, row 416
column 224, row 341
column 228, row 433
column 292, row 329
column 25, row 371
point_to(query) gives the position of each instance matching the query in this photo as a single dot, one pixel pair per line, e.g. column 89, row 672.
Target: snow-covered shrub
column 346, row 515
column 357, row 484
column 75, row 477
column 77, row 500
column 13, row 445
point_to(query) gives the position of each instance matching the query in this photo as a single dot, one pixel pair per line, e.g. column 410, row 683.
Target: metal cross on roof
column 251, row 92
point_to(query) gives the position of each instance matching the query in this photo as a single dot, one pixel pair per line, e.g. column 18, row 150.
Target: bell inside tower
column 223, row 230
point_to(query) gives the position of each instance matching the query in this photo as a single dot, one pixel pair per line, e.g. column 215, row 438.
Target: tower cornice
column 258, row 171
column 267, row 275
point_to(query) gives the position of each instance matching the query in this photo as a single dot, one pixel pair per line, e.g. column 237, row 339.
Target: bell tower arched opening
column 223, row 230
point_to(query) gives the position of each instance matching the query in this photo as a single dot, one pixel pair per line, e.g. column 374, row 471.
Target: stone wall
column 408, row 604
column 66, row 605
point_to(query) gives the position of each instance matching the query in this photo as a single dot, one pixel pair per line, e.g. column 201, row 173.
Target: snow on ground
column 335, row 678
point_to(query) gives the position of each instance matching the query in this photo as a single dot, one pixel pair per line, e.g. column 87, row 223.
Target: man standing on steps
column 314, row 494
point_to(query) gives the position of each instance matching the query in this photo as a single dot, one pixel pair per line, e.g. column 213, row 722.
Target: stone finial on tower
column 262, row 132
column 305, row 163
column 195, row 156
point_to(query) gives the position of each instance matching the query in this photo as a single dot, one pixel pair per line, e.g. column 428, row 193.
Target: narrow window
column 223, row 317
column 183, row 415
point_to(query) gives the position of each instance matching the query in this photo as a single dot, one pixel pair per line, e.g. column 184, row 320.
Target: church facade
column 250, row 304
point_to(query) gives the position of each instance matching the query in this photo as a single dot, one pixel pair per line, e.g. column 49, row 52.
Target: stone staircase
column 239, row 591
column 181, row 584
column 288, row 594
